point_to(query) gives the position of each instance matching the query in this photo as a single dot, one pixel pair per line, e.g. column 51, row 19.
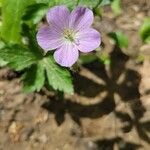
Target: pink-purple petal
column 81, row 18
column 58, row 17
column 89, row 40
column 48, row 38
column 66, row 55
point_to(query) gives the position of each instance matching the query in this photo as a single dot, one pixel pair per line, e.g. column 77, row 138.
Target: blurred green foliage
column 105, row 59
column 12, row 11
column 116, row 6
column 85, row 59
column 145, row 31
column 34, row 13
column 119, row 38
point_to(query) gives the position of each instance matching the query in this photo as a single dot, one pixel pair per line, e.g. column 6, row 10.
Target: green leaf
column 105, row 59
column 93, row 3
column 0, row 3
column 105, row 2
column 43, row 1
column 145, row 31
column 51, row 3
column 120, row 38
column 85, row 59
column 12, row 11
column 2, row 63
column 35, row 12
column 18, row 57
column 89, row 3
column 34, row 78
column 30, row 36
column 116, row 6
column 58, row 77
column 69, row 3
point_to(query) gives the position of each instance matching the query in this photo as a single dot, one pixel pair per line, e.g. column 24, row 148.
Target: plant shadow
column 109, row 144
column 119, row 80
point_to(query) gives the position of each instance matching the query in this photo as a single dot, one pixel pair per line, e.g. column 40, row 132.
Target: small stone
column 42, row 139
column 14, row 131
column 42, row 117
column 90, row 145
column 26, row 134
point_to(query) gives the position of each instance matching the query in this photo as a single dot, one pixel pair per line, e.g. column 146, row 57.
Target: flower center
column 69, row 34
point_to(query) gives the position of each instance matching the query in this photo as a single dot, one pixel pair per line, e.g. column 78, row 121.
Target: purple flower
column 68, row 33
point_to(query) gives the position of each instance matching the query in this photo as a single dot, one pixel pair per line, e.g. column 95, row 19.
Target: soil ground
column 110, row 109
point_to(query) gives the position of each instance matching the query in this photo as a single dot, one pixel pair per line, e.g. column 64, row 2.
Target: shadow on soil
column 109, row 144
column 127, row 89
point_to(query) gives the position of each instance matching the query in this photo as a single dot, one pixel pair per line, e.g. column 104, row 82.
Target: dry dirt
column 110, row 109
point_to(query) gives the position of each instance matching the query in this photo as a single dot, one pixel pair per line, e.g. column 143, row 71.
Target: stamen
column 69, row 35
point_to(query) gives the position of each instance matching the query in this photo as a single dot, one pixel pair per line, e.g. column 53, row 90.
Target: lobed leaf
column 69, row 3
column 18, row 57
column 93, row 3
column 34, row 78
column 58, row 77
column 35, row 12
column 88, row 3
